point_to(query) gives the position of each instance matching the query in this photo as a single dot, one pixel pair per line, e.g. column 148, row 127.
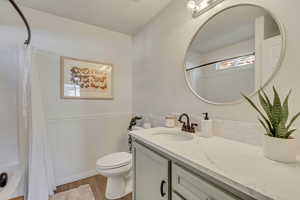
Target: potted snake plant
column 278, row 143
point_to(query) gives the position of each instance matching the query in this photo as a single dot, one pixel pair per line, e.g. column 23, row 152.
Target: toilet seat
column 115, row 160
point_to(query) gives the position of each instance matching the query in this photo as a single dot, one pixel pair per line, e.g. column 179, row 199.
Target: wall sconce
column 198, row 7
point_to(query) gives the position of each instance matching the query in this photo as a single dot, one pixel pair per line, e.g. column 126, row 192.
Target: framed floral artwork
column 82, row 79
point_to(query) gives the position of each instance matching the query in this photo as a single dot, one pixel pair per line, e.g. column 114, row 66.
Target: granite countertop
column 239, row 165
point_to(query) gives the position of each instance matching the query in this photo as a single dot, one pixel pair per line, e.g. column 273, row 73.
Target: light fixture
column 198, row 7
column 191, row 5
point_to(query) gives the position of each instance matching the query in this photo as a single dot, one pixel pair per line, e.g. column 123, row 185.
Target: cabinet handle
column 162, row 193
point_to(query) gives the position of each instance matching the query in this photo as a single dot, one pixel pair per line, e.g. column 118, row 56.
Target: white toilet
column 117, row 168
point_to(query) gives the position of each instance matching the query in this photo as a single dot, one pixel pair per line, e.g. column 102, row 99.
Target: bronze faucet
column 187, row 126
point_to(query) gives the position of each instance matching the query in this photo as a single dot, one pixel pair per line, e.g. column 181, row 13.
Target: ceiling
column 229, row 27
column 125, row 16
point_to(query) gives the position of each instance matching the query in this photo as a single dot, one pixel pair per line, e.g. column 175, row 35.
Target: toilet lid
column 114, row 160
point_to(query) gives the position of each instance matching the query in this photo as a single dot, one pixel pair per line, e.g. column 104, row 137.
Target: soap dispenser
column 206, row 126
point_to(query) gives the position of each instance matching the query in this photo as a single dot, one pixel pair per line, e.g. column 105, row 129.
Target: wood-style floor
column 19, row 198
column 97, row 184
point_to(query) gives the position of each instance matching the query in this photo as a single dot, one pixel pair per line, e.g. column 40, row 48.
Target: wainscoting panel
column 78, row 141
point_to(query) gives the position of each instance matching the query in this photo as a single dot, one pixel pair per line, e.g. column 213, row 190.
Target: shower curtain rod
column 211, row 63
column 13, row 3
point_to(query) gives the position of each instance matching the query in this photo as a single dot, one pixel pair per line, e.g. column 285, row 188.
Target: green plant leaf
column 266, row 128
column 285, row 108
column 264, row 104
column 274, row 116
column 281, row 130
column 260, row 113
column 267, row 98
column 273, row 122
column 288, row 134
column 293, row 120
column 276, row 109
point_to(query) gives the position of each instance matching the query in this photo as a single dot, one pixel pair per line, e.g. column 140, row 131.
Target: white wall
column 80, row 131
column 8, row 108
column 159, row 50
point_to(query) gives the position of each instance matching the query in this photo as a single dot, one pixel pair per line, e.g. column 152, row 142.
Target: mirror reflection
column 236, row 51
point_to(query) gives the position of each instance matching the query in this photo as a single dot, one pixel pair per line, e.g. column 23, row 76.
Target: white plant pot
column 282, row 150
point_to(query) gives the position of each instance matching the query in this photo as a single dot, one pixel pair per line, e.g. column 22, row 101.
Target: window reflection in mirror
column 236, row 51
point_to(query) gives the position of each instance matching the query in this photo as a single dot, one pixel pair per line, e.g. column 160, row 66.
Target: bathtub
column 14, row 178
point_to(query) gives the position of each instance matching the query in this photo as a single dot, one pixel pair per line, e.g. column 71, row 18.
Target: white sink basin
column 173, row 136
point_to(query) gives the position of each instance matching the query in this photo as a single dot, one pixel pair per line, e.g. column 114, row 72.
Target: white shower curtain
column 40, row 174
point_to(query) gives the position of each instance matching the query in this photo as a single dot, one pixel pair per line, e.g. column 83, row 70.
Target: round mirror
column 235, row 52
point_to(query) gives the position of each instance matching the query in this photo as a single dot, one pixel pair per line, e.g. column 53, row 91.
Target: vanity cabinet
column 175, row 196
column 159, row 177
column 188, row 186
column 151, row 174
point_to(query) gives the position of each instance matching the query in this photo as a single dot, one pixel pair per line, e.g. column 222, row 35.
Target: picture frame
column 84, row 79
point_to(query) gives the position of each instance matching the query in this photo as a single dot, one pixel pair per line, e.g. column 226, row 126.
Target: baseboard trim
column 76, row 177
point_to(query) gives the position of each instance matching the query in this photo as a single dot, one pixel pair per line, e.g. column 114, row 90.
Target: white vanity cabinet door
column 192, row 187
column 151, row 175
column 176, row 197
